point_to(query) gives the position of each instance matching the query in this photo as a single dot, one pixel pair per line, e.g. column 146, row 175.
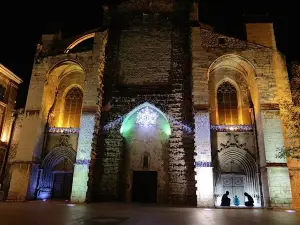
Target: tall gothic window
column 227, row 104
column 72, row 107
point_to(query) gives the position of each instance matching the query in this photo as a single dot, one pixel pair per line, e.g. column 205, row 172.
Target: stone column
column 83, row 157
column 203, row 167
column 275, row 172
column 89, row 123
column 24, row 166
column 290, row 134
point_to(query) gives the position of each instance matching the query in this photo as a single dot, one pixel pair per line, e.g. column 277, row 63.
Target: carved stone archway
column 234, row 152
column 62, row 151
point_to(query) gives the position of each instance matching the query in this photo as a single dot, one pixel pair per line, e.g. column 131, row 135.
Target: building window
column 2, row 92
column 227, row 104
column 145, row 161
column 72, row 108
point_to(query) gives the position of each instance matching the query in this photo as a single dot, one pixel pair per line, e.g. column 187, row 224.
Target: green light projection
column 158, row 118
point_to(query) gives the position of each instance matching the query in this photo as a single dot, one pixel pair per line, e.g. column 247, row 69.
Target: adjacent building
column 9, row 83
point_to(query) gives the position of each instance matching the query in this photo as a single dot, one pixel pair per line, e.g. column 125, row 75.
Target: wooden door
column 62, row 185
column 144, row 186
column 234, row 183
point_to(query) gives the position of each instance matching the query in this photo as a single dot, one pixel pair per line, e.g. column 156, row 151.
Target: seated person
column 225, row 200
column 250, row 201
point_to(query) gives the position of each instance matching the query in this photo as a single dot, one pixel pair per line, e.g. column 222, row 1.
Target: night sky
column 22, row 27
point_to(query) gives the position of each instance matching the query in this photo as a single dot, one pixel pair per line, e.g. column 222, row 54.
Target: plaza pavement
column 62, row 213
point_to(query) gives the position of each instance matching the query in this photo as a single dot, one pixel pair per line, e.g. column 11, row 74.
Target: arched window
column 72, row 107
column 227, row 104
column 145, row 161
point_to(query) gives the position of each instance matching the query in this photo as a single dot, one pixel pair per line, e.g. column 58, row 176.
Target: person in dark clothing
column 250, row 201
column 225, row 200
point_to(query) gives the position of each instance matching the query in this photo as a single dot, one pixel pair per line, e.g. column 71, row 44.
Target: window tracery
column 72, row 108
column 227, row 104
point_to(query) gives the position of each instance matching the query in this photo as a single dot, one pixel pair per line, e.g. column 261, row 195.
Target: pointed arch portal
column 53, row 158
column 146, row 131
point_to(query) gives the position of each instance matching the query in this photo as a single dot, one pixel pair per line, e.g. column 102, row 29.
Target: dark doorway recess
column 62, row 185
column 144, row 186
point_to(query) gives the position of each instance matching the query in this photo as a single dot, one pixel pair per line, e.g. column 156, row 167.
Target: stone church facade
column 155, row 106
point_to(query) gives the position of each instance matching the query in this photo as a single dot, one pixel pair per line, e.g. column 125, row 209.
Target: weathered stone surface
column 150, row 53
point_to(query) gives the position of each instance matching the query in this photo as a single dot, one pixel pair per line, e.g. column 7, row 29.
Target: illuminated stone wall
column 262, row 71
column 235, row 159
column 171, row 95
column 295, row 116
column 288, row 120
column 89, row 124
column 83, row 158
column 158, row 58
column 150, row 140
column 273, row 135
column 237, row 79
column 41, row 97
column 279, row 187
column 53, row 139
column 262, row 34
column 294, row 69
column 203, row 161
column 156, row 47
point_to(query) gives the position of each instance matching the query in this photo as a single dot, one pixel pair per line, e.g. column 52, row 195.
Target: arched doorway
column 62, row 179
column 57, row 172
column 146, row 133
column 235, row 170
column 234, row 110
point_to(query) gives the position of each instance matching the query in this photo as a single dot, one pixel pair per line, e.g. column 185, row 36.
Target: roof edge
column 10, row 74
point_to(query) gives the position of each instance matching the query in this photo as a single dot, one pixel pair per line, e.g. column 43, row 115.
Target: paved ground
column 59, row 213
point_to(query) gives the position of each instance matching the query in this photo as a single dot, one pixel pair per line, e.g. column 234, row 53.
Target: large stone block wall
column 182, row 176
column 288, row 116
column 154, row 143
column 110, row 184
column 37, row 107
column 152, row 47
column 143, row 5
column 294, row 173
column 295, row 82
column 279, row 187
column 112, row 158
column 83, row 157
column 170, row 99
column 293, row 115
column 261, row 33
column 90, row 120
column 203, row 160
column 273, row 135
column 212, row 51
column 206, row 49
